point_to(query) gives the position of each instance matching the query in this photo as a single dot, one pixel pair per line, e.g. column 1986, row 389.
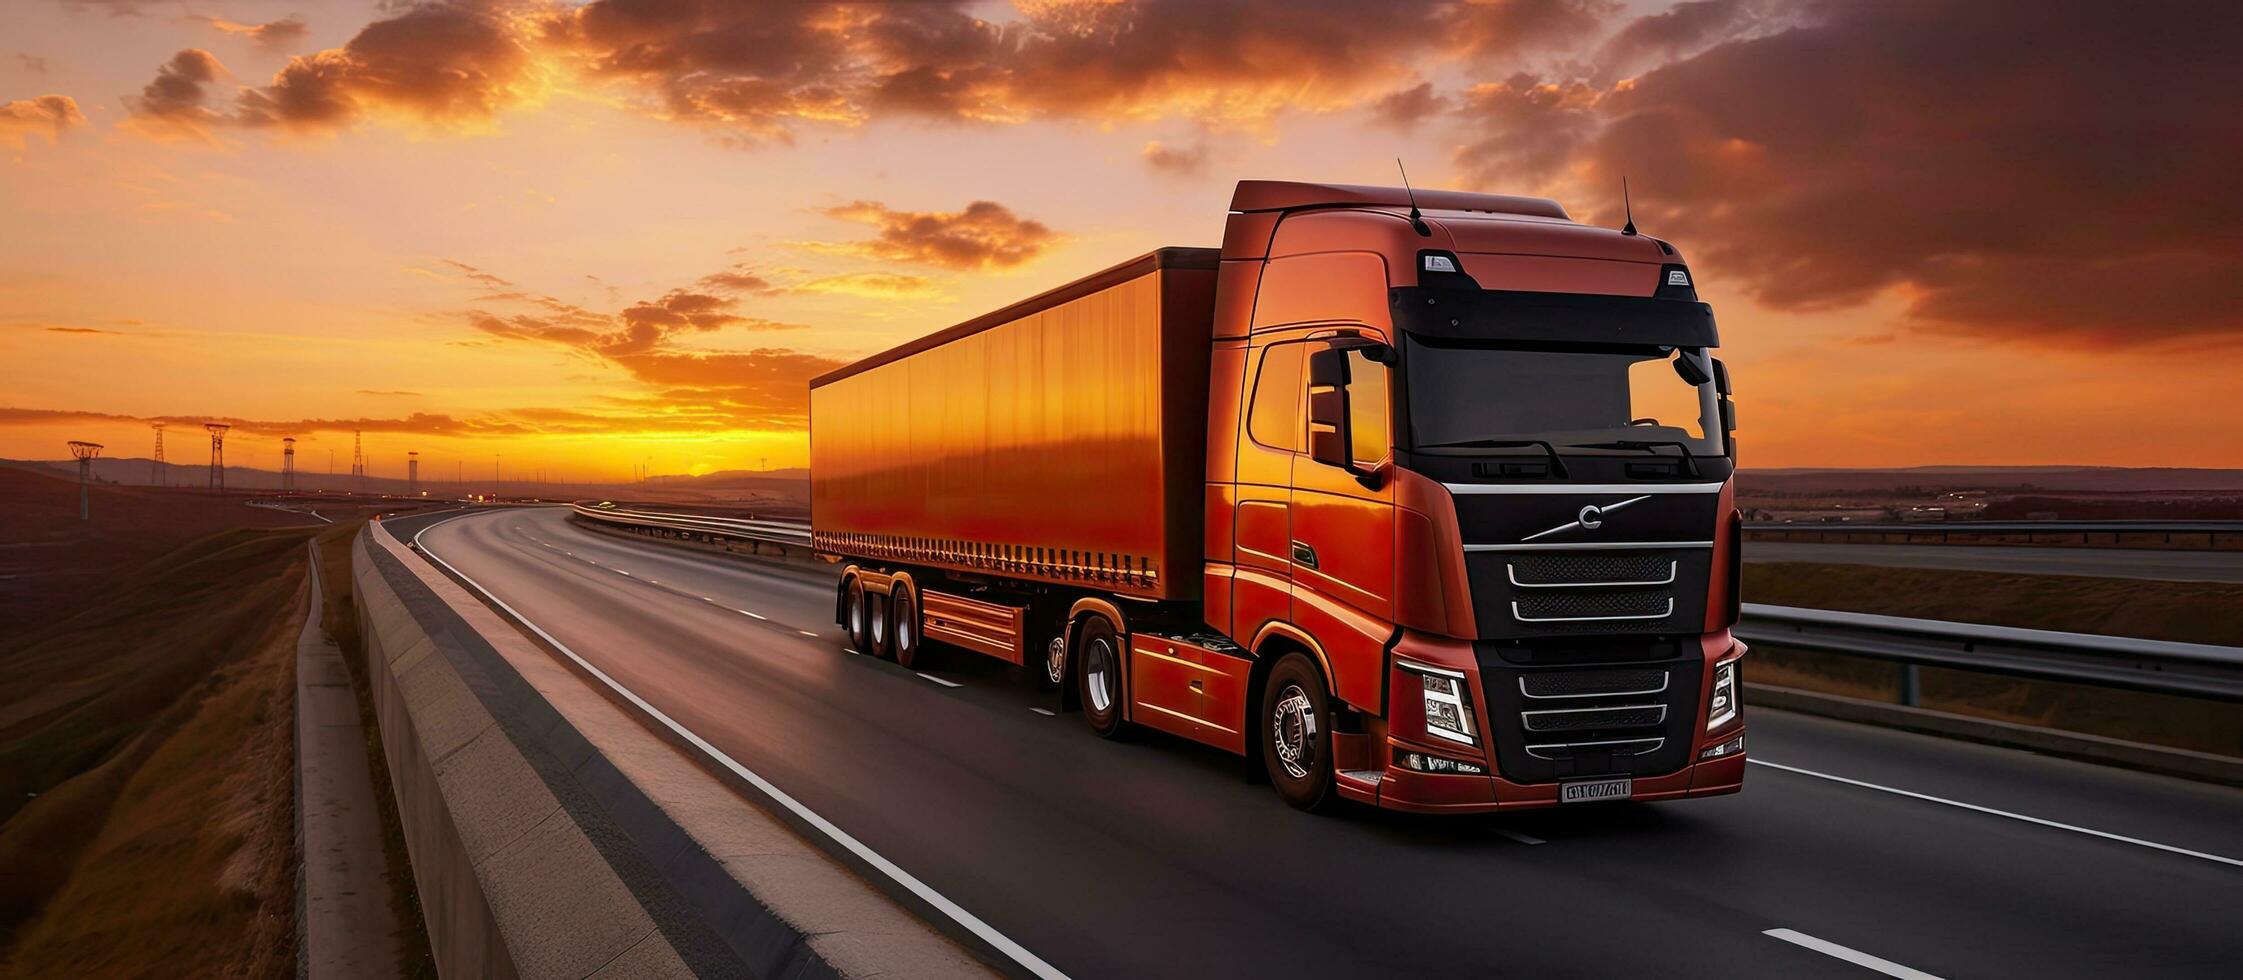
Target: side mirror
column 1690, row 364
column 1329, row 440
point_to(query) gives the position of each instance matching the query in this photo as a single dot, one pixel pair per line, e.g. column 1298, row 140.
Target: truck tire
column 1296, row 734
column 855, row 618
column 903, row 632
column 880, row 629
column 1099, row 684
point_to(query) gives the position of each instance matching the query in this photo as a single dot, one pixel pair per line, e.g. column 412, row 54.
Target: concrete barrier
column 551, row 835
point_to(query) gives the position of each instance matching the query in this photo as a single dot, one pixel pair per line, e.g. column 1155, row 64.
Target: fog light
column 1721, row 708
column 1420, row 762
column 1730, row 747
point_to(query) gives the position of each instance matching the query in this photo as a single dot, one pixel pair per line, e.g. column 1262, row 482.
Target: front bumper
column 1508, row 784
column 1418, row 792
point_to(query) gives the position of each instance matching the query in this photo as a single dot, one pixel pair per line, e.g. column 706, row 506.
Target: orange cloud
column 49, row 115
column 986, row 235
column 1180, row 160
column 271, row 34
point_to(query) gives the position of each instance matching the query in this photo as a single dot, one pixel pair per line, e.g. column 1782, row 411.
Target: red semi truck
column 1428, row 509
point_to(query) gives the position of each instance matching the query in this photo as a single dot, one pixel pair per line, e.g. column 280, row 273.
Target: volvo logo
column 1591, row 518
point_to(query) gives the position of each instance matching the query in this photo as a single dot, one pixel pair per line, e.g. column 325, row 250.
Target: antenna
column 156, row 465
column 1417, row 220
column 1628, row 206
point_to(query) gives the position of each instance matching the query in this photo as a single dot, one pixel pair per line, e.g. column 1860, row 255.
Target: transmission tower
column 156, row 466
column 413, row 474
column 85, row 451
column 217, row 432
column 357, row 462
column 288, row 465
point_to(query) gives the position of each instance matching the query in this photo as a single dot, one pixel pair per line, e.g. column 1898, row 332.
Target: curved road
column 1155, row 858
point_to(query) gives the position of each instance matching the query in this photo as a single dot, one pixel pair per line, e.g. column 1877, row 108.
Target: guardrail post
column 1908, row 685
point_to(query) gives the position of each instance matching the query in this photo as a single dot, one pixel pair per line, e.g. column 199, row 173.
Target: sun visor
column 1570, row 318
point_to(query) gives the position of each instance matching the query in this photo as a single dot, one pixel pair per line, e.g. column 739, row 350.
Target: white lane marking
column 707, row 599
column 1046, row 712
column 938, row 680
column 751, row 615
column 2091, row 832
column 1521, row 838
column 621, row 572
column 803, row 632
column 1854, row 956
column 972, row 923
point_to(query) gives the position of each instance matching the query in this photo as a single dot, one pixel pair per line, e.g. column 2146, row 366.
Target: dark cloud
column 984, row 235
column 32, row 63
column 1180, row 160
column 177, row 99
column 1407, row 107
column 437, row 62
column 2013, row 170
column 418, row 422
column 49, row 115
column 87, row 330
column 271, row 34
column 1679, row 31
column 762, row 69
column 737, row 280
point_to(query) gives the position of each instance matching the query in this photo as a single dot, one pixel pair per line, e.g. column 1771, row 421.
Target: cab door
column 1342, row 545
column 1261, row 588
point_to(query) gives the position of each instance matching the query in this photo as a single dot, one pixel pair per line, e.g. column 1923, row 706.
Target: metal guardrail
column 2159, row 666
column 790, row 533
column 2004, row 527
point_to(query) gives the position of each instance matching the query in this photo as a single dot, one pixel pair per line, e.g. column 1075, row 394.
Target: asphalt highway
column 1853, row 850
column 2174, row 565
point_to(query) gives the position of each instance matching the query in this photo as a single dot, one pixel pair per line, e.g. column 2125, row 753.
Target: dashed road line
column 938, row 680
column 1521, row 838
column 1046, row 712
column 1854, row 956
column 807, row 633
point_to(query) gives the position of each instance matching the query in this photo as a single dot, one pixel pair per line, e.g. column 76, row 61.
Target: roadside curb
column 701, row 882
column 2158, row 759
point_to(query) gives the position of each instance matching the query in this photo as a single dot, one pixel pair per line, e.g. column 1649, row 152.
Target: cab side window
column 1274, row 418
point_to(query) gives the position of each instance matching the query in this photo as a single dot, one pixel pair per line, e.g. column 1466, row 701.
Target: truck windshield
column 1464, row 396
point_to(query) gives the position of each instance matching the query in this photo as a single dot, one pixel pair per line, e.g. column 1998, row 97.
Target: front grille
column 1559, row 721
column 1579, row 606
column 1577, row 571
column 1593, row 719
column 1593, row 683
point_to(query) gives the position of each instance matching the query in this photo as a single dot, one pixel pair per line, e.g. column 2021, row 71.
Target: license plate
column 1595, row 790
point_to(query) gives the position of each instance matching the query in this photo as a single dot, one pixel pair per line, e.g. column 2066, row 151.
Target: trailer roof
column 1173, row 257
column 1287, row 195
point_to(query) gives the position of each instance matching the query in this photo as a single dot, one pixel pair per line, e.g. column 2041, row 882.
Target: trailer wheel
column 904, row 638
column 879, row 627
column 1296, row 734
column 855, row 620
column 1098, row 677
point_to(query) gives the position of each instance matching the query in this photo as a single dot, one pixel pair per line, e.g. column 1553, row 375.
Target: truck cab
column 1471, row 461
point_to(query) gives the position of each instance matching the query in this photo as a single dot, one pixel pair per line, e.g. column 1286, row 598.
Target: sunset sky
column 587, row 235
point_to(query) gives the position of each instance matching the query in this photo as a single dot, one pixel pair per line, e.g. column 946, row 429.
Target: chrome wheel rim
column 879, row 620
column 1055, row 660
column 903, row 624
column 1098, row 676
column 1293, row 732
column 856, row 611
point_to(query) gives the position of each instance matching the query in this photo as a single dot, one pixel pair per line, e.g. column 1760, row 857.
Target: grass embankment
column 340, row 615
column 2193, row 612
column 146, row 775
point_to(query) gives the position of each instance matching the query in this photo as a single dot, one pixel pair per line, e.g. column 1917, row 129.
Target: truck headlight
column 1721, row 708
column 1448, row 702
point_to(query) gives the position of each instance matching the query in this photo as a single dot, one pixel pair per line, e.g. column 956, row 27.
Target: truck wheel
column 903, row 634
column 855, row 619
column 1098, row 677
column 1296, row 733
column 879, row 627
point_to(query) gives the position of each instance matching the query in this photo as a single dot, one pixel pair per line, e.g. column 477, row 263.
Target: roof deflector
column 1287, row 195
